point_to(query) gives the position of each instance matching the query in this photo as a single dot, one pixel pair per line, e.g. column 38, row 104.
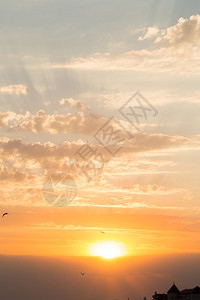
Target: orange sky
column 141, row 185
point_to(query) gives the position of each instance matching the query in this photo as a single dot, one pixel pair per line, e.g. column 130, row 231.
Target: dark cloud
column 32, row 278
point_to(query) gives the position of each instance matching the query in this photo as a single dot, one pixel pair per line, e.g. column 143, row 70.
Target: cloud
column 161, row 59
column 151, row 189
column 12, row 175
column 73, row 104
column 78, row 123
column 52, row 157
column 18, row 89
column 55, row 123
column 186, row 33
column 57, row 278
column 176, row 49
column 90, row 125
column 6, row 117
column 151, row 32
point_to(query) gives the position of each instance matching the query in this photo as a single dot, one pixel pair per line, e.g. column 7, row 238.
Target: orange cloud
column 56, row 123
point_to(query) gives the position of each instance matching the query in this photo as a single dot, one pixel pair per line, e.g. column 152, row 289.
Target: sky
column 99, row 131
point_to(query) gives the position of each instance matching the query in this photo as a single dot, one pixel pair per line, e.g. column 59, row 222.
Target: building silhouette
column 175, row 294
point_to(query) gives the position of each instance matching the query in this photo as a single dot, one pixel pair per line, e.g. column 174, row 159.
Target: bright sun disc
column 107, row 249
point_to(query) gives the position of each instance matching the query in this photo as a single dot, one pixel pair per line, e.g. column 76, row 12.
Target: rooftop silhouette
column 175, row 294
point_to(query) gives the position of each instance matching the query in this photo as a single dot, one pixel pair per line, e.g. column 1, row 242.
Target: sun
column 107, row 249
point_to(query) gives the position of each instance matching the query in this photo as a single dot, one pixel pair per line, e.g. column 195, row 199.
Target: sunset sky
column 68, row 68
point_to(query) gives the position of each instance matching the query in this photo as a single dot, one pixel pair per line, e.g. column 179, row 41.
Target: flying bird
column 82, row 274
column 4, row 214
column 102, row 231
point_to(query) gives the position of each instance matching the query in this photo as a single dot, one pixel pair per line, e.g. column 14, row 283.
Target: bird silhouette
column 101, row 231
column 4, row 214
column 82, row 274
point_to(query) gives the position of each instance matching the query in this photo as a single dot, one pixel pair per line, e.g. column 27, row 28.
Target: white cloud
column 176, row 49
column 186, row 33
column 151, row 32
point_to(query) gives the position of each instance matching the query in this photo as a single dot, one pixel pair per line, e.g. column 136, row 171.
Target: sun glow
column 108, row 249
